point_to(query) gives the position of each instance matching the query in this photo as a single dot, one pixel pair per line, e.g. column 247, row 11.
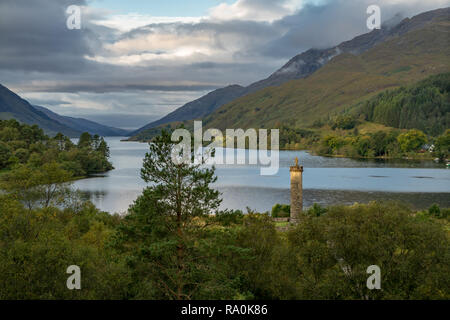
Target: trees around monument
column 169, row 246
column 333, row 252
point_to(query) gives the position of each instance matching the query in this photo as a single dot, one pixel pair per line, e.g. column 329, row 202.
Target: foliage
column 344, row 122
column 46, row 187
column 334, row 250
column 436, row 212
column 21, row 144
column 390, row 143
column 37, row 246
column 412, row 140
column 281, row 211
column 316, row 210
column 174, row 243
column 294, row 138
column 229, row 217
column 424, row 106
column 442, row 145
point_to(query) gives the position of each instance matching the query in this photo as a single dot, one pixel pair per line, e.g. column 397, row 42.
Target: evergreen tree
column 166, row 224
column 85, row 140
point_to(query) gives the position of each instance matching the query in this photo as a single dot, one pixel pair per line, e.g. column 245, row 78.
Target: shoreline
column 312, row 152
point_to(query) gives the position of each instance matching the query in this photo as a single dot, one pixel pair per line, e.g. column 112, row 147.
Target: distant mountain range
column 83, row 125
column 320, row 81
column 199, row 108
column 14, row 107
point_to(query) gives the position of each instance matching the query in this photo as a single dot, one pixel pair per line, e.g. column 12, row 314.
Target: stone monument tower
column 296, row 192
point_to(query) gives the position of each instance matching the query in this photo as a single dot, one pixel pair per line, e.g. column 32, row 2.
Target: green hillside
column 424, row 106
column 343, row 82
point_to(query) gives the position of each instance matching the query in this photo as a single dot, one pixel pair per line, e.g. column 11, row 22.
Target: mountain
column 312, row 60
column 83, row 125
column 301, row 66
column 199, row 108
column 14, row 107
column 417, row 48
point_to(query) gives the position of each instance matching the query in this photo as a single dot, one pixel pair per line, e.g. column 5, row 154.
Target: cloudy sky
column 133, row 61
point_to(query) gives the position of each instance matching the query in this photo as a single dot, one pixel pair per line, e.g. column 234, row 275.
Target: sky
column 134, row 61
column 166, row 8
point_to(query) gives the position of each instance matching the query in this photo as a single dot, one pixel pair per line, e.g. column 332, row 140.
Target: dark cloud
column 110, row 87
column 332, row 22
column 34, row 37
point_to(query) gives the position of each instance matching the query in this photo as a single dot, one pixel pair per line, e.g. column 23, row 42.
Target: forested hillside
column 424, row 106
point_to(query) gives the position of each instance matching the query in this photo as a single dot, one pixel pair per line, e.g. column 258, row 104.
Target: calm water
column 325, row 180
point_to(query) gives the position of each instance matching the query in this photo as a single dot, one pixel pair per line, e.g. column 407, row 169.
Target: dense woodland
column 424, row 106
column 24, row 146
column 175, row 243
column 385, row 144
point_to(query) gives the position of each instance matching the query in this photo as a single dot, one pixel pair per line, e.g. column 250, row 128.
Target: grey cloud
column 332, row 22
column 34, row 36
column 147, row 104
column 104, row 78
column 51, row 102
column 124, row 121
column 109, row 87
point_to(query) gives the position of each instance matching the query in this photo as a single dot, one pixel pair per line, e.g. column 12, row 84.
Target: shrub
column 281, row 211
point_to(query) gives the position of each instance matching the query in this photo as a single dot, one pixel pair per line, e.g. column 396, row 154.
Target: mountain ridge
column 197, row 108
column 83, row 125
column 12, row 106
column 308, row 62
column 417, row 48
column 400, row 60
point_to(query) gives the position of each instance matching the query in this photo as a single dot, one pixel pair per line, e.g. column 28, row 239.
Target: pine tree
column 167, row 222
